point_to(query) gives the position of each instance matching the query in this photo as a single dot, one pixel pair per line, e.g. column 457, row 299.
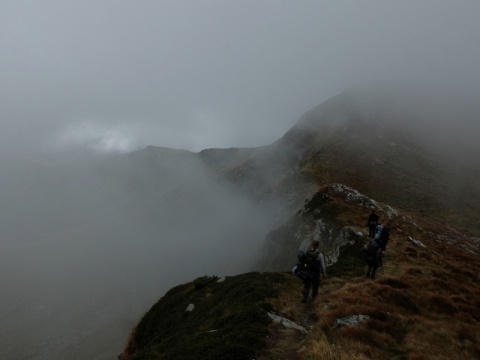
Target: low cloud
column 97, row 137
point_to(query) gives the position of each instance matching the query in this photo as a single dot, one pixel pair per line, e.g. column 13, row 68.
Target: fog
column 92, row 233
column 444, row 120
column 93, row 246
column 114, row 75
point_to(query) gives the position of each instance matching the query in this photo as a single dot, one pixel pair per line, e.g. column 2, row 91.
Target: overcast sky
column 118, row 75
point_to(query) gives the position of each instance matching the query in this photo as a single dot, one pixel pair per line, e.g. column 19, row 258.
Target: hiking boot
column 304, row 301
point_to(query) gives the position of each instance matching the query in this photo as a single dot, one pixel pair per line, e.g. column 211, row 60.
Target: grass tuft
column 394, row 283
column 441, row 304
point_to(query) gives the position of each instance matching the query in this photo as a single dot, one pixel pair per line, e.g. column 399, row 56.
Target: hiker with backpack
column 378, row 232
column 384, row 237
column 372, row 252
column 372, row 224
column 308, row 269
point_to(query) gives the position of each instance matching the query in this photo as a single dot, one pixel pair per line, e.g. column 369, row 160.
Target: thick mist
column 89, row 242
column 96, row 243
column 89, row 239
column 441, row 118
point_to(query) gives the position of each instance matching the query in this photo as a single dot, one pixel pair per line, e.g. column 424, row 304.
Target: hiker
column 308, row 269
column 384, row 237
column 378, row 232
column 372, row 224
column 372, row 252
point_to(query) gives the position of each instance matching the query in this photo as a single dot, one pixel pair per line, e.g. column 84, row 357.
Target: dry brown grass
column 322, row 349
column 424, row 304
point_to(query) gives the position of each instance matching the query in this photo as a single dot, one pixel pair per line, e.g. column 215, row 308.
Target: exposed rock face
column 328, row 216
column 323, row 217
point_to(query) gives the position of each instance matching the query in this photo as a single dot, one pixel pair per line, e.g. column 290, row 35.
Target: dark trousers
column 383, row 246
column 371, row 232
column 312, row 282
column 372, row 268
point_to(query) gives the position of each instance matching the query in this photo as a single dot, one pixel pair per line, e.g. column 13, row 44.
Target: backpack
column 301, row 269
column 385, row 234
column 371, row 251
column 378, row 230
column 307, row 263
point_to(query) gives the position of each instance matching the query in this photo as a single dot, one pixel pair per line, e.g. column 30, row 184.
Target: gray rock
column 416, row 242
column 286, row 323
column 354, row 320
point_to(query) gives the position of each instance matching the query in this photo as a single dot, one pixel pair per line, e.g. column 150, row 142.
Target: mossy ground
column 229, row 320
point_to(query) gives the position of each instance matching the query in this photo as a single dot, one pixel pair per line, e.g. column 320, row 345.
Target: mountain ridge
column 429, row 280
column 346, row 160
column 125, row 221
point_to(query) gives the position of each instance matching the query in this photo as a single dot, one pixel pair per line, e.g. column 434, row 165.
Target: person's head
column 373, row 211
column 315, row 244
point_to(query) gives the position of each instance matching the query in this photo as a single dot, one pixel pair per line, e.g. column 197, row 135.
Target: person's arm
column 322, row 264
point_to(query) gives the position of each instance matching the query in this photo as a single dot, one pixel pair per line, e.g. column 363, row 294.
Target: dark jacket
column 372, row 251
column 372, row 220
column 384, row 237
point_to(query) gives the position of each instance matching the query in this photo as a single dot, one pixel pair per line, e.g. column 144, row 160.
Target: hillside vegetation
column 423, row 305
column 406, row 155
column 389, row 149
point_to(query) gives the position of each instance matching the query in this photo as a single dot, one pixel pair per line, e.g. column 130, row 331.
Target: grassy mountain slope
column 393, row 155
column 364, row 149
column 423, row 304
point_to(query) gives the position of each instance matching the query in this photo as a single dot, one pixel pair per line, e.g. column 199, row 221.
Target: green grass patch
column 229, row 320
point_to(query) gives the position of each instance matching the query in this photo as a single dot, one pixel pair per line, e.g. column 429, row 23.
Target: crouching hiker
column 308, row 269
column 372, row 252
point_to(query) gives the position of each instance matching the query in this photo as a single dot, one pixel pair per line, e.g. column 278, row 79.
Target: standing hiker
column 384, row 237
column 372, row 254
column 308, row 269
column 372, row 224
column 378, row 233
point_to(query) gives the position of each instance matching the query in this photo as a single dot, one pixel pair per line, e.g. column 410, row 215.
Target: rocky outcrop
column 327, row 216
